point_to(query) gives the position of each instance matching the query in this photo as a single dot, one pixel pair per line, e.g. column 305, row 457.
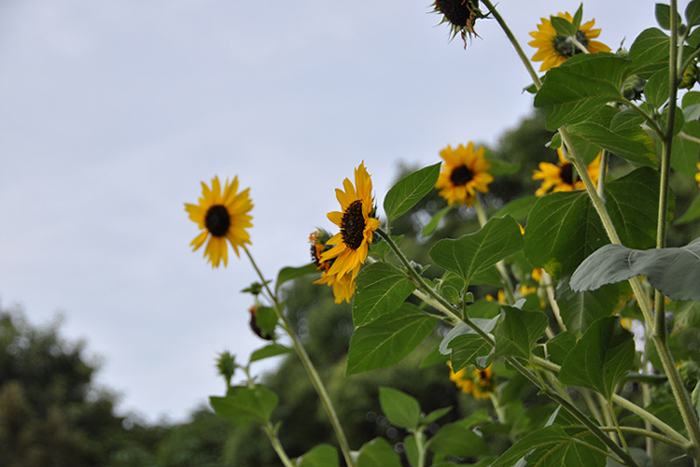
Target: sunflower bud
column 633, row 87
column 690, row 76
column 263, row 321
column 690, row 373
column 226, row 364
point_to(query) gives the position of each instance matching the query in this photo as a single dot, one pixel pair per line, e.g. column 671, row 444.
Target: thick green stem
column 310, row 369
column 277, row 446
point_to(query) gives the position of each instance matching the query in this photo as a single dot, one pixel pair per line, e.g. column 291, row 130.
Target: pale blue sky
column 111, row 113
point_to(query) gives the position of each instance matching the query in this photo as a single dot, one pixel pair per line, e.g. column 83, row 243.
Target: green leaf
column 486, row 325
column 675, row 272
column 560, row 345
column 381, row 288
column 378, row 453
column 466, row 349
column 243, row 405
column 578, row 16
column 663, row 16
column 601, row 358
column 266, row 320
column 323, row 455
column 435, row 221
column 633, row 144
column 436, row 414
column 401, row 409
column 692, row 213
column 518, row 208
column 639, row 455
column 684, row 152
column 457, row 440
column 411, row 450
column 692, row 13
column 388, row 339
column 409, row 190
column 501, row 167
column 580, row 309
column 580, row 87
column 519, row 331
column 469, row 254
column 563, row 228
column 560, row 449
column 272, row 350
column 562, row 26
column 288, row 273
column 649, row 52
column 656, row 89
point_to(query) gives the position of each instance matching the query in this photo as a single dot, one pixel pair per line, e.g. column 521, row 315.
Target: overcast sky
column 111, row 113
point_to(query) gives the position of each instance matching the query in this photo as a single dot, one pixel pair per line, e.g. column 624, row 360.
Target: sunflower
column 357, row 223
column 344, row 285
column 224, row 216
column 554, row 49
column 463, row 172
column 561, row 177
column 479, row 383
column 461, row 14
column 697, row 175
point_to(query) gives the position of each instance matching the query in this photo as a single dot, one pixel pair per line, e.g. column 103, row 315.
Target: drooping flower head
column 461, row 14
column 554, row 49
column 357, row 224
column 561, row 177
column 223, row 215
column 478, row 383
column 464, row 171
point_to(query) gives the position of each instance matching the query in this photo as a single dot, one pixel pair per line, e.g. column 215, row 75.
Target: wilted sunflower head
column 461, row 14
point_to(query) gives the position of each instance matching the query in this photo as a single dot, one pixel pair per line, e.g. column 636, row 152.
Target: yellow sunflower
column 697, row 175
column 554, row 49
column 561, row 177
column 463, row 172
column 357, row 224
column 479, row 383
column 224, row 216
column 343, row 286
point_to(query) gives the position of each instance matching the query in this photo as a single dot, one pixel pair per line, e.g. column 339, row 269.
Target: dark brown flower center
column 458, row 12
column 564, row 47
column 461, row 176
column 567, row 173
column 217, row 220
column 352, row 225
column 483, row 375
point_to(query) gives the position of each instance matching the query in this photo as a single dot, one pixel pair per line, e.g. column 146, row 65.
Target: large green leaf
column 323, row 455
column 388, row 339
column 409, row 190
column 580, row 87
column 692, row 13
column 685, row 149
column 243, row 404
column 519, row 331
column 466, row 349
column 552, row 446
column 455, row 439
column 649, row 52
column 518, row 208
column 378, row 453
column 601, row 358
column 469, row 254
column 401, row 409
column 675, row 272
column 560, row 345
column 656, row 89
column 563, row 228
column 381, row 288
column 580, row 309
column 633, row 144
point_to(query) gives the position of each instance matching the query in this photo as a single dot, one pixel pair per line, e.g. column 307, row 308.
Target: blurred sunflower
column 463, row 172
column 561, row 177
column 554, row 49
column 224, row 216
column 357, row 223
column 479, row 383
column 697, row 175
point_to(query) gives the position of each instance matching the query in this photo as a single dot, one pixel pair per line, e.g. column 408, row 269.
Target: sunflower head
column 318, row 239
column 464, row 171
column 461, row 15
column 343, row 285
column 357, row 221
column 561, row 37
column 478, row 383
column 221, row 215
column 562, row 177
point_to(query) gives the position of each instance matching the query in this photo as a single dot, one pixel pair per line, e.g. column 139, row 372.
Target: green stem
column 310, row 369
column 648, row 434
column 277, row 445
column 420, row 447
column 602, row 173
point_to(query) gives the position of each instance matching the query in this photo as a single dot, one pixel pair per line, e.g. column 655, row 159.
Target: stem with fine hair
column 309, row 367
